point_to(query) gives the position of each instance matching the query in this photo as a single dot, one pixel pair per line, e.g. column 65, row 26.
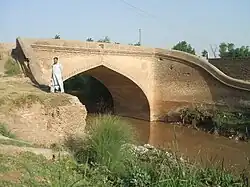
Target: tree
column 204, row 53
column 57, row 36
column 231, row 50
column 214, row 50
column 137, row 44
column 228, row 50
column 223, row 50
column 105, row 40
column 89, row 40
column 185, row 47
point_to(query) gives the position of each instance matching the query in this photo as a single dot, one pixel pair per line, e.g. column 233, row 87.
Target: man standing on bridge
column 56, row 78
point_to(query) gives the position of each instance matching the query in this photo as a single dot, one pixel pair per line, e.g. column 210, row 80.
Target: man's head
column 55, row 60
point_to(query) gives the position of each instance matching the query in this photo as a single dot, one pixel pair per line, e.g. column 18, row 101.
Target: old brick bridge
column 145, row 83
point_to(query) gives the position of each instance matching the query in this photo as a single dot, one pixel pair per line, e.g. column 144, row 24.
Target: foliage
column 137, row 44
column 106, row 39
column 228, row 50
column 236, row 121
column 57, row 36
column 185, row 47
column 227, row 122
column 4, row 131
column 37, row 171
column 103, row 160
column 204, row 53
column 89, row 40
column 15, row 142
column 11, row 68
column 106, row 136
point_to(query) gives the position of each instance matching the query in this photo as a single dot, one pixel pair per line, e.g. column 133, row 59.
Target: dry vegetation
column 18, row 92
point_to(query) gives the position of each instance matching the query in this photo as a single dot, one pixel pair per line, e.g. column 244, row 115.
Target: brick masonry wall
column 179, row 84
column 236, row 68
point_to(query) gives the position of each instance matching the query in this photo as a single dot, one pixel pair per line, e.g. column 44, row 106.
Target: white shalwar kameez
column 57, row 81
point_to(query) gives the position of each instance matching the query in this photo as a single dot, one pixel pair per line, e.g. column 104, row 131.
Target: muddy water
column 196, row 145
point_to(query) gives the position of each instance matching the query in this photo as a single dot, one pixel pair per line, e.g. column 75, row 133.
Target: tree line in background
column 226, row 50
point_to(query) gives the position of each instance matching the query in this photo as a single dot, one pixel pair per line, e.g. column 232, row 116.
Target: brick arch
column 129, row 97
column 95, row 62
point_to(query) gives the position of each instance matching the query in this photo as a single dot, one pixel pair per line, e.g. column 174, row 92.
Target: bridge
column 145, row 83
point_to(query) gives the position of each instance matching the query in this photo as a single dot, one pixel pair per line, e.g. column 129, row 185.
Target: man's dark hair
column 56, row 58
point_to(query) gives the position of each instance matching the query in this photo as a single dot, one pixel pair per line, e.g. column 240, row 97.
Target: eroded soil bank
column 36, row 116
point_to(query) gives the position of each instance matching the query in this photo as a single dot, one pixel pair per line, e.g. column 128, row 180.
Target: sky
column 163, row 22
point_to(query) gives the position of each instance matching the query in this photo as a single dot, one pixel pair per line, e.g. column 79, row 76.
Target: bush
column 103, row 144
column 11, row 68
column 225, row 122
column 5, row 132
column 198, row 115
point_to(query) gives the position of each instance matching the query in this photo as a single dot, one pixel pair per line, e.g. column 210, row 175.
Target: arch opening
column 103, row 90
column 91, row 93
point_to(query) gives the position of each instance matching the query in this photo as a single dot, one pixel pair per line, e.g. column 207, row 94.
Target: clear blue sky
column 200, row 22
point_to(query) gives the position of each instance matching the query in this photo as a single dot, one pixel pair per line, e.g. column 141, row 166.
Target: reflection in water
column 193, row 144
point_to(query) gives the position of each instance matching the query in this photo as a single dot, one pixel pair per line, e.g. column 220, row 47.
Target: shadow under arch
column 97, row 100
column 129, row 100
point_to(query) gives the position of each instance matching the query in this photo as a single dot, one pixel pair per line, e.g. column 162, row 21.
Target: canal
column 196, row 145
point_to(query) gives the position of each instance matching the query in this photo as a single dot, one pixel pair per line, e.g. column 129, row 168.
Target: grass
column 103, row 144
column 37, row 171
column 101, row 159
column 10, row 138
column 17, row 93
column 15, row 142
column 4, row 131
column 12, row 68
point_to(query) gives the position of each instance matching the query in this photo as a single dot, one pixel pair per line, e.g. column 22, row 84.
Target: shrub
column 11, row 68
column 103, row 144
column 5, row 132
column 199, row 114
column 226, row 122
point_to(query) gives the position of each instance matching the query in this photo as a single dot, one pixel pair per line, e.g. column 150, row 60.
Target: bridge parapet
column 76, row 45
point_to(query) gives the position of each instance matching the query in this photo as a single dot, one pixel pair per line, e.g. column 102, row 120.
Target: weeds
column 106, row 158
column 11, row 68
column 226, row 122
column 102, row 145
column 14, row 142
column 4, row 131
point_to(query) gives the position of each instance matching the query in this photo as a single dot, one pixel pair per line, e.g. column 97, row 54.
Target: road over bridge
column 145, row 83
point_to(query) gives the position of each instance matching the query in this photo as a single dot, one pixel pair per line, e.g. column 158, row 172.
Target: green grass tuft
column 11, row 67
column 103, row 143
column 5, row 132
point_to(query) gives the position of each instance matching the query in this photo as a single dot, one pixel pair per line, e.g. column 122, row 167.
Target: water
column 196, row 145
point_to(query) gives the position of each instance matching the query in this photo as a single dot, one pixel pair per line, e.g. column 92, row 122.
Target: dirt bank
column 36, row 116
